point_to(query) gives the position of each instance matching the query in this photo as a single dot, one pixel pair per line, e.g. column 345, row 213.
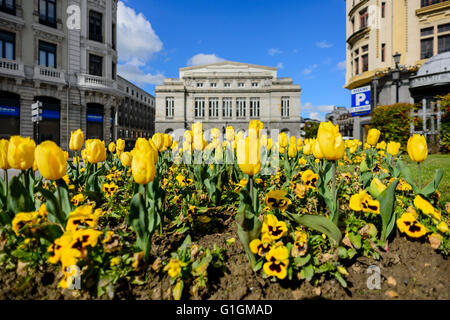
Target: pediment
column 228, row 68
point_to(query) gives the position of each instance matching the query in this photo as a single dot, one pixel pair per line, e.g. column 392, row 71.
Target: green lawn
column 428, row 168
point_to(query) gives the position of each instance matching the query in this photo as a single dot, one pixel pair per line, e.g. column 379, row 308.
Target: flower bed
column 244, row 218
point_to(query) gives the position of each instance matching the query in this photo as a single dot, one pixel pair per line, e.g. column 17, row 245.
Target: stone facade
column 232, row 93
column 75, row 94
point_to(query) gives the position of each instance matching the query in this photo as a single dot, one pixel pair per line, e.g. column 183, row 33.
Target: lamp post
column 396, row 75
column 375, row 82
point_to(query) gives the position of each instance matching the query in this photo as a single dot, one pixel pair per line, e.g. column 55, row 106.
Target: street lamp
column 396, row 75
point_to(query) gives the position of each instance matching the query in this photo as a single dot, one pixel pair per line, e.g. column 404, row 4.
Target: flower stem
column 420, row 175
column 6, row 180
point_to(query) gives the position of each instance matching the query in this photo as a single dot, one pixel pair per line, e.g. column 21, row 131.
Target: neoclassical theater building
column 63, row 53
column 228, row 93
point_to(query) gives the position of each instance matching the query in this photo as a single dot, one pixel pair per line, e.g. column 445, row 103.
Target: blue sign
column 50, row 114
column 9, row 111
column 95, row 118
column 361, row 103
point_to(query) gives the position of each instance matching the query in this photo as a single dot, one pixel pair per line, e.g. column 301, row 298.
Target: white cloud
column 202, row 58
column 322, row 108
column 310, row 69
column 315, row 116
column 280, row 65
column 342, row 65
column 135, row 35
column 274, row 51
column 132, row 71
column 324, row 44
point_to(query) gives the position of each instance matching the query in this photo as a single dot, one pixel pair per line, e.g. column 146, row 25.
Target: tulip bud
column 215, row 133
column 229, row 133
column 142, row 167
column 120, row 145
column 292, row 151
column 167, row 141
column 96, row 151
column 417, row 148
column 247, row 154
column 376, row 187
column 112, row 147
column 126, row 158
column 50, row 160
column 330, row 141
column 393, row 148
column 76, row 140
column 4, row 154
column 373, row 136
column 283, row 140
column 158, row 140
column 198, row 141
column 21, row 153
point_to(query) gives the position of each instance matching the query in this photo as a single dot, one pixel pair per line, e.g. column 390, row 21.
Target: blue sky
column 305, row 39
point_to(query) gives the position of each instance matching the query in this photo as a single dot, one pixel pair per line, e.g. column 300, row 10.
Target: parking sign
column 360, row 101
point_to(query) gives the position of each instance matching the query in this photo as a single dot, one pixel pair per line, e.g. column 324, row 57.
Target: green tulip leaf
column 321, row 224
column 433, row 185
column 387, row 201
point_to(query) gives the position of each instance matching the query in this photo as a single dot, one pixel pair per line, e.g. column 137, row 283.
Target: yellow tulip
column 316, row 151
column 4, row 154
column 373, row 136
column 283, row 140
column 167, row 141
column 120, row 145
column 96, row 151
column 50, row 160
column 188, row 136
column 269, row 144
column 229, row 133
column 292, row 151
column 377, row 187
column 299, row 144
column 76, row 140
column 255, row 127
column 417, row 148
column 66, row 155
column 158, row 140
column 215, row 133
column 442, row 227
column 126, row 158
column 142, row 167
column 198, row 140
column 248, row 155
column 308, row 147
column 393, row 148
column 112, row 147
column 330, row 141
column 21, row 153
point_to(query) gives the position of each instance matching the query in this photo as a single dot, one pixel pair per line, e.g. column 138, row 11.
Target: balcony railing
column 11, row 68
column 87, row 80
column 49, row 74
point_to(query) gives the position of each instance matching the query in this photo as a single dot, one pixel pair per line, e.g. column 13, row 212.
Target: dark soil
column 409, row 270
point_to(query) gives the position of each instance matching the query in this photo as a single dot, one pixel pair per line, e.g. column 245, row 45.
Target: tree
column 311, row 129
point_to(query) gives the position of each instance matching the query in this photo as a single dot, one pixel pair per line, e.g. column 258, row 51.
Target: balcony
column 49, row 74
column 430, row 7
column 11, row 68
column 96, row 82
column 358, row 35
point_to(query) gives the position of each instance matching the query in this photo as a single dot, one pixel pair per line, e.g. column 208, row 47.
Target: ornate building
column 228, row 93
column 62, row 53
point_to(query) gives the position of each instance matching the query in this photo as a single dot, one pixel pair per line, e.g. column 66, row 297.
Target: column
column 424, row 117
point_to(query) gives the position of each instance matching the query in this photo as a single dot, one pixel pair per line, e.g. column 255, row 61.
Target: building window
column 227, row 108
column 170, row 101
column 444, row 43
column 444, row 28
column 213, row 85
column 353, row 25
column 95, row 65
column 383, row 52
column 227, row 85
column 213, row 108
column 240, row 85
column 240, row 108
column 7, row 45
column 363, row 18
column 255, row 85
column 383, row 9
column 356, row 66
column 199, row 107
column 426, row 48
column 95, row 26
column 47, row 54
column 47, row 12
column 365, row 48
column 285, row 101
column 8, row 6
column 365, row 63
column 199, row 85
column 426, row 3
column 426, row 31
column 254, row 107
column 113, row 39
